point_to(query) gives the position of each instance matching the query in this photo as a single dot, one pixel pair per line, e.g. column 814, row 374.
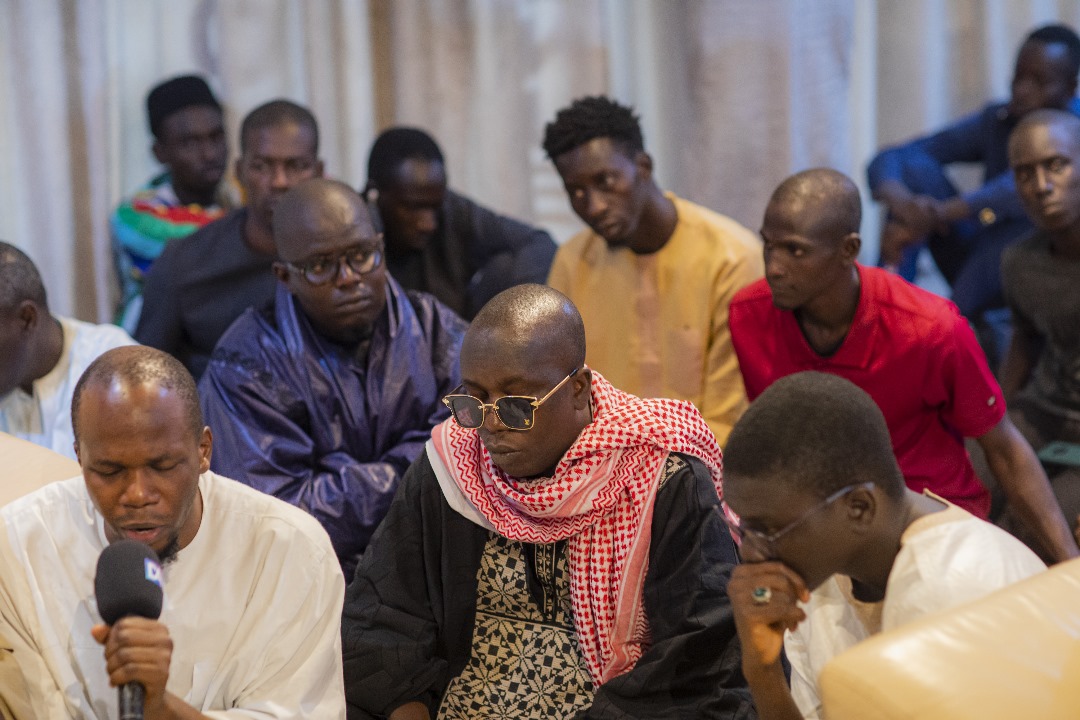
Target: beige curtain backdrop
column 734, row 94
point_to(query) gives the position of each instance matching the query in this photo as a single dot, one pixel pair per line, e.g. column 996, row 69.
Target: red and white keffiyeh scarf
column 601, row 498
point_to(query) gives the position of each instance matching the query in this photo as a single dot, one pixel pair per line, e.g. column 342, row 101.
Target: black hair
column 276, row 113
column 137, row 364
column 396, row 145
column 1059, row 35
column 19, row 279
column 175, row 94
column 817, row 432
column 591, row 117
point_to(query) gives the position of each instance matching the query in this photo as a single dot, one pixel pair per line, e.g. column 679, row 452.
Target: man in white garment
column 250, row 626
column 835, row 547
column 41, row 356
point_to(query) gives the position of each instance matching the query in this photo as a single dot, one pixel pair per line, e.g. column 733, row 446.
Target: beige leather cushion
column 1012, row 654
column 14, row 700
column 24, row 467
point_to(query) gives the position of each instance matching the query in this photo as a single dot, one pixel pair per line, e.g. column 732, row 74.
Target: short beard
column 169, row 552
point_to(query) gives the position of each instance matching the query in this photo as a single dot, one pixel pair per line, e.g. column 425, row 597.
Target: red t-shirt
column 912, row 352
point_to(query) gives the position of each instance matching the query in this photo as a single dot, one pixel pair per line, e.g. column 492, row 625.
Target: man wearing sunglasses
column 326, row 396
column 836, row 548
column 556, row 552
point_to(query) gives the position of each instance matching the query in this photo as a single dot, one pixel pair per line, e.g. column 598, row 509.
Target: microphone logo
column 153, row 572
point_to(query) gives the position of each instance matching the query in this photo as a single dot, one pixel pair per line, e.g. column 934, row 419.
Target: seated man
column 556, row 552
column 189, row 140
column 818, row 309
column 837, row 548
column 326, row 396
column 654, row 274
column 1041, row 275
column 967, row 232
column 41, row 356
column 440, row 242
column 252, row 591
column 203, row 282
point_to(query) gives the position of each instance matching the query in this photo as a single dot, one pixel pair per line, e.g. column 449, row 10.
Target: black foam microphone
column 129, row 582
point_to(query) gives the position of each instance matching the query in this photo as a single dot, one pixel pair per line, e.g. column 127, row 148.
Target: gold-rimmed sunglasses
column 514, row 411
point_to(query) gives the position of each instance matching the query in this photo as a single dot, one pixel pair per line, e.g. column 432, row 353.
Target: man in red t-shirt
column 817, row 309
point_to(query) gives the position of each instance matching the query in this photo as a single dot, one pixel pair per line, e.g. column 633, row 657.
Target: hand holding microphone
column 138, row 648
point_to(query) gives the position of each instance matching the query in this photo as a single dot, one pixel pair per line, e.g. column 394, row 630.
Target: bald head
column 19, row 279
column 822, row 202
column 1065, row 123
column 314, row 209
column 532, row 320
column 1044, row 154
column 139, row 365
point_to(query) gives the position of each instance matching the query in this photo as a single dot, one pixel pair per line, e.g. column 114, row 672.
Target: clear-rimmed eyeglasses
column 324, row 268
column 762, row 543
column 514, row 411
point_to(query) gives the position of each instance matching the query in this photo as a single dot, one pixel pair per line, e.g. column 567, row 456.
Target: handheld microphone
column 128, row 582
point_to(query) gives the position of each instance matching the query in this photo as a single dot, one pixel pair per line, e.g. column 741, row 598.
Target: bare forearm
column 892, row 191
column 1025, row 484
column 1019, row 361
column 953, row 209
column 772, row 697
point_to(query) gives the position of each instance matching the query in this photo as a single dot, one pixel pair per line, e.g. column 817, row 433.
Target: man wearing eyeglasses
column 912, row 351
column 836, row 547
column 556, row 552
column 326, row 396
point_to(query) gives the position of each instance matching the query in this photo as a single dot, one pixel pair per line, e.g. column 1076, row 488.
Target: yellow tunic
column 656, row 325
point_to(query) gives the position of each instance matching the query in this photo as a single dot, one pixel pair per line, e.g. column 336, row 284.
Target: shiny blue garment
column 304, row 419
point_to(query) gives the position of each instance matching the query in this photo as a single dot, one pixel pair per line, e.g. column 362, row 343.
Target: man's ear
column 850, row 246
column 238, row 173
column 282, row 272
column 29, row 315
column 319, row 168
column 206, row 448
column 159, row 152
column 862, row 507
column 644, row 163
column 370, row 194
column 582, row 388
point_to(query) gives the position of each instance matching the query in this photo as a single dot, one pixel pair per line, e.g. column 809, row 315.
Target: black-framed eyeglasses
column 763, row 542
column 514, row 411
column 324, row 268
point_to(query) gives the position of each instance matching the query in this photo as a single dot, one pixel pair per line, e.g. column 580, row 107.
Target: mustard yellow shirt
column 656, row 325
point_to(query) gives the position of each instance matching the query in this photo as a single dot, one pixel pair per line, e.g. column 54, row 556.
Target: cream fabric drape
column 734, row 94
